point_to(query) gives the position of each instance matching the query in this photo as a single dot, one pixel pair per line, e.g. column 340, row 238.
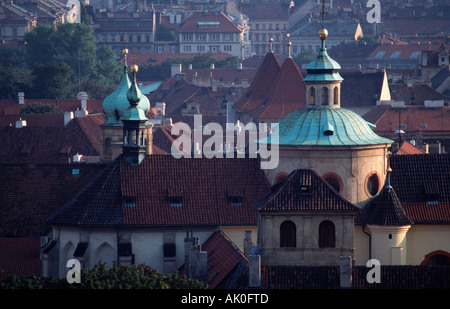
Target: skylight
column 208, row 24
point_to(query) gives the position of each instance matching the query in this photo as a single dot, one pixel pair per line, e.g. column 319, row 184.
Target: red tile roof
column 19, row 257
column 406, row 148
column 157, row 59
column 9, row 107
column 51, row 144
column 260, row 85
column 287, row 94
column 405, row 50
column 33, row 120
column 417, row 119
column 328, row 277
column 303, row 190
column 224, row 258
column 30, row 192
column 226, row 25
column 204, row 186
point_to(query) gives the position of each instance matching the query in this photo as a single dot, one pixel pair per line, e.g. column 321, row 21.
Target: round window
column 372, row 184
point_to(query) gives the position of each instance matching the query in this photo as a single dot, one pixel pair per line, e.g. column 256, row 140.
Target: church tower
column 114, row 106
column 335, row 142
column 136, row 131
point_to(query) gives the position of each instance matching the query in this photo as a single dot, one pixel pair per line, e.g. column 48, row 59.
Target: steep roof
column 303, row 190
column 287, row 94
column 260, row 86
column 386, row 210
column 225, row 261
column 20, row 257
column 125, row 195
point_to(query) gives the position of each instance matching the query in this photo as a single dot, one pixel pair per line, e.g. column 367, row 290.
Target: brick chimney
column 195, row 260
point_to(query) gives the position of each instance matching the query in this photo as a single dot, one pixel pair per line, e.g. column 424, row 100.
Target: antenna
column 323, row 13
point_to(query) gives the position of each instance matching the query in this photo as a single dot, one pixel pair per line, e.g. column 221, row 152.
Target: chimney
column 77, row 158
column 247, row 243
column 345, row 272
column 21, row 123
column 254, row 271
column 82, row 96
column 212, row 66
column 161, row 108
column 21, row 97
column 195, row 259
column 68, row 116
column 175, row 69
column 239, row 66
column 190, row 66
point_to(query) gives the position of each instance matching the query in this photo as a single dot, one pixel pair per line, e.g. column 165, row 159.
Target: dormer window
column 176, row 201
column 129, row 201
column 235, row 200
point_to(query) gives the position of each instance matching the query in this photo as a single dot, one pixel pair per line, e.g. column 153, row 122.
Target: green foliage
column 73, row 48
column 103, row 277
column 201, row 61
column 39, row 108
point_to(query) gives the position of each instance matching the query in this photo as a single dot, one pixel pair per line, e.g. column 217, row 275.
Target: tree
column 164, row 34
column 74, row 45
column 39, row 108
column 52, row 81
column 103, row 277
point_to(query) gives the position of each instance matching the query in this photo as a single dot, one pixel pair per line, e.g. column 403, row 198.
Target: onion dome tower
column 135, row 129
column 114, row 107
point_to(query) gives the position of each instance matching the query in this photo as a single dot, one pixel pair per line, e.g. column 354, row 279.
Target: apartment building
column 211, row 32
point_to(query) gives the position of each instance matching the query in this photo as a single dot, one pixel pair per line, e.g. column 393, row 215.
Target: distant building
column 120, row 29
column 210, row 32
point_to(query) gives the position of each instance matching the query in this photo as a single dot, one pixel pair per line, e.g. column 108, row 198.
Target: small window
column 176, row 201
column 312, row 96
column 335, row 95
column 372, row 184
column 288, row 235
column 170, row 250
column 129, row 201
column 235, row 200
column 327, row 235
column 324, row 96
column 76, row 171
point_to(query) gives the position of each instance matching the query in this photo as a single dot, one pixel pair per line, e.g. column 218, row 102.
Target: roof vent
column 328, row 129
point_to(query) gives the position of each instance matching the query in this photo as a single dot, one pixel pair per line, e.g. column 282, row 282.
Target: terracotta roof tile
column 226, row 25
column 25, row 194
column 260, row 85
column 20, row 257
column 303, row 190
column 202, row 184
column 287, row 94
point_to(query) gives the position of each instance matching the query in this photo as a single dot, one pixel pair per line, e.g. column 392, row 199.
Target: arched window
column 324, row 96
column 288, row 235
column 437, row 258
column 336, row 95
column 327, row 234
column 312, row 96
column 280, row 177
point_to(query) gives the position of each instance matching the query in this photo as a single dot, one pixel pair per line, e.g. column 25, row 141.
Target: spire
column 289, row 46
column 134, row 124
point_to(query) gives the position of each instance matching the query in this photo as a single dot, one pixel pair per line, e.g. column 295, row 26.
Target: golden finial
column 289, row 45
column 323, row 34
column 125, row 51
column 134, row 68
column 270, row 44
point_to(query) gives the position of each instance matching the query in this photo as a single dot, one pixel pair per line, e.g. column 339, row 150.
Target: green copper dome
column 323, row 68
column 327, row 127
column 115, row 104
